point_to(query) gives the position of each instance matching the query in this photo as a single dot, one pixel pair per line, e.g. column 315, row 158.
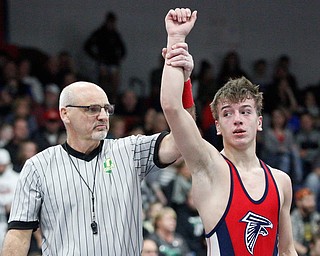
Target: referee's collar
column 80, row 155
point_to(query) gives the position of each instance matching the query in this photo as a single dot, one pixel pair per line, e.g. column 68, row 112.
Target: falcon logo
column 256, row 225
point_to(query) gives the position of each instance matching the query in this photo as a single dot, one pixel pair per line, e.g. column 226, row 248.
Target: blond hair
column 164, row 211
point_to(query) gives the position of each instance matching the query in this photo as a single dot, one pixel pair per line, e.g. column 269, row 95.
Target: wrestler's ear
column 217, row 127
column 260, row 124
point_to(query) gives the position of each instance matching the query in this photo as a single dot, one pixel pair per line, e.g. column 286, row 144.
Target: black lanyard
column 94, row 225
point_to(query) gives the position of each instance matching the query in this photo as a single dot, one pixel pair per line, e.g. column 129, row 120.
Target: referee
column 84, row 195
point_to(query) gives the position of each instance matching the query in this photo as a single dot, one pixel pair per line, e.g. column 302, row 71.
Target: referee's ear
column 64, row 115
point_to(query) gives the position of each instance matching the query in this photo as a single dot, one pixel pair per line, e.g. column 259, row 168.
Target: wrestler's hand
column 179, row 22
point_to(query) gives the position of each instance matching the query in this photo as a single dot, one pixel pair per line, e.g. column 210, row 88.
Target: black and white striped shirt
column 51, row 193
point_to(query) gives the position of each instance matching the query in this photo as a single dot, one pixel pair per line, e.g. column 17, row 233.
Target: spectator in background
column 309, row 104
column 279, row 148
column 155, row 83
column 9, row 71
column 51, row 100
column 230, row 68
column 312, row 181
column 49, row 134
column 130, row 107
column 4, row 58
column 150, row 212
column 118, row 128
column 169, row 242
column 181, row 185
column 6, row 133
column 26, row 150
column 150, row 248
column 308, row 141
column 50, row 73
column 160, row 123
column 136, row 129
column 190, row 226
column 315, row 246
column 316, row 91
column 52, row 92
column 208, row 128
column 161, row 184
column 67, row 70
column 6, row 103
column 305, row 220
column 68, row 78
column 66, row 63
column 11, row 82
column 260, row 74
column 282, row 71
column 206, row 84
column 148, row 120
column 34, row 84
column 22, row 108
column 154, row 121
column 8, row 181
column 106, row 46
column 280, row 95
column 21, row 133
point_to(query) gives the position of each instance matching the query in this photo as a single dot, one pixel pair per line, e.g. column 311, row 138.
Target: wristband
column 187, row 97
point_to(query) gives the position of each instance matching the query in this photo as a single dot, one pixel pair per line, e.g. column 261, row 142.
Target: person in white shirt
column 8, row 181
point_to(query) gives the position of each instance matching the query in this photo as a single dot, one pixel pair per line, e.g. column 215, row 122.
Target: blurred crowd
column 30, row 84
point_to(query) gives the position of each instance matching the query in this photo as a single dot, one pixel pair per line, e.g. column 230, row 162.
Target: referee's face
column 84, row 123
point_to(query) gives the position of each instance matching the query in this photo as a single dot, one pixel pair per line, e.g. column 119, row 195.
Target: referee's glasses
column 94, row 110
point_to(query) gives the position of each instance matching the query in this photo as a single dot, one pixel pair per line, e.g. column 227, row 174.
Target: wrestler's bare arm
column 286, row 245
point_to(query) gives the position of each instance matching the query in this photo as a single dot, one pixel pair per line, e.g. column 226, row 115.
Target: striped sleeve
column 146, row 153
column 27, row 200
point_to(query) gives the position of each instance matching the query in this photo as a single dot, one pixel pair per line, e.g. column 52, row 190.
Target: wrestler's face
column 238, row 123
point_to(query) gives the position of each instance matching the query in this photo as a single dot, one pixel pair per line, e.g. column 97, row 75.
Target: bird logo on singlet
column 256, row 225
